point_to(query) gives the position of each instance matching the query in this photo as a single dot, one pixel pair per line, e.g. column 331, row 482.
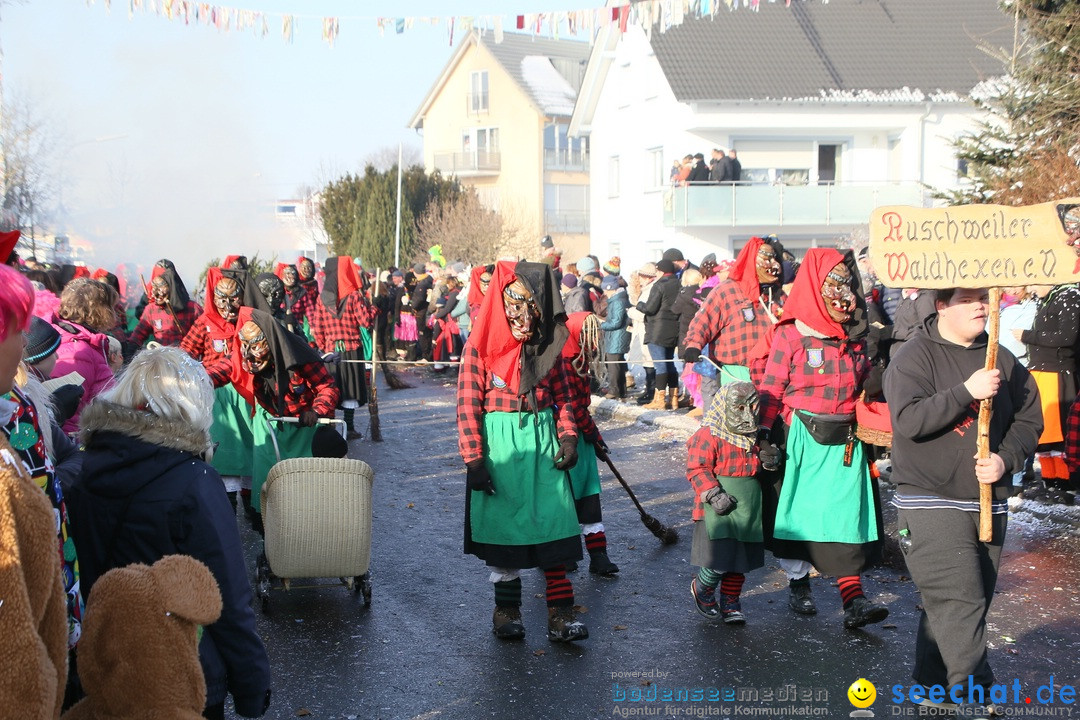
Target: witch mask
column 273, row 289
column 521, row 310
column 227, row 299
column 159, row 290
column 306, row 269
column 837, row 293
column 254, row 349
column 288, row 276
column 767, row 265
column 741, row 409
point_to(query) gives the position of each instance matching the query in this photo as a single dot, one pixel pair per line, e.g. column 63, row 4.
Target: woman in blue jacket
column 616, row 338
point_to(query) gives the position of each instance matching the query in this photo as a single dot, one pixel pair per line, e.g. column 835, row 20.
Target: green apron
column 232, row 432
column 533, row 502
column 293, row 441
column 744, row 522
column 584, row 476
column 733, row 373
column 365, row 342
column 821, row 500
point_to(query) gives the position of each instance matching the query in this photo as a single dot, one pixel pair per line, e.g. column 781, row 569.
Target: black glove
column 66, row 399
column 567, row 455
column 599, row 445
column 768, row 453
column 478, row 478
column 690, row 355
column 721, row 502
column 872, row 385
column 308, row 418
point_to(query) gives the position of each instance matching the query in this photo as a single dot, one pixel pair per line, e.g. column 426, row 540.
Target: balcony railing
column 481, row 162
column 566, row 221
column 570, row 160
column 744, row 204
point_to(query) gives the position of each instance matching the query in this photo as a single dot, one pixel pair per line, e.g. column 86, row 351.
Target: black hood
column 543, row 350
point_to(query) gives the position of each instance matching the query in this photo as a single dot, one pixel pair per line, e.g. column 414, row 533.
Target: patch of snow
column 550, row 89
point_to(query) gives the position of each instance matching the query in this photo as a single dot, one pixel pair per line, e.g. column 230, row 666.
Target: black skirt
column 350, row 376
column 520, row 557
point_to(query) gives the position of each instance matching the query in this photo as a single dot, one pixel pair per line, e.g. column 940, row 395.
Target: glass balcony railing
column 481, row 162
column 566, row 221
column 569, row 160
column 745, row 204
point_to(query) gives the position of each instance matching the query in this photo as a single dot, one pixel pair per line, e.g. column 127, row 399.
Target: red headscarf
column 99, row 274
column 279, row 270
column 476, row 295
column 805, row 302
column 574, row 322
column 220, row 328
column 81, row 271
column 342, row 280
column 242, row 380
column 744, row 272
column 229, row 260
column 491, row 335
column 8, row 241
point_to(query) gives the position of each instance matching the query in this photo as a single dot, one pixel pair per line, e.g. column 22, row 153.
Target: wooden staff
column 986, row 528
column 373, row 397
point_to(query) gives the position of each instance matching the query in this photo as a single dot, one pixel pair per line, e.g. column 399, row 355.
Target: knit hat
column 674, row 255
column 418, row 268
column 42, row 340
column 710, row 258
column 569, row 280
column 648, row 270
column 586, row 265
column 611, row 282
column 613, row 266
column 665, row 266
column 397, row 273
column 545, row 242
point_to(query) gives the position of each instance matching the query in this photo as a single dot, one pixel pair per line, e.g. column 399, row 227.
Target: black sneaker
column 506, row 623
column 563, row 625
column 863, row 612
column 800, row 599
column 731, row 610
column 705, row 601
column 600, row 564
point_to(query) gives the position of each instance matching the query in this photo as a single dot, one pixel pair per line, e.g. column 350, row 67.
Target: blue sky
column 180, row 128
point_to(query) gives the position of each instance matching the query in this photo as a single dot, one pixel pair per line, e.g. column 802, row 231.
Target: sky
column 174, row 140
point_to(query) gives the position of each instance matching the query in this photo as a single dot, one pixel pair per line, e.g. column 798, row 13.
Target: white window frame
column 479, row 99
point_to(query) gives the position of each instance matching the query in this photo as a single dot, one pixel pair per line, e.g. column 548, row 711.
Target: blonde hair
column 167, row 382
column 690, row 277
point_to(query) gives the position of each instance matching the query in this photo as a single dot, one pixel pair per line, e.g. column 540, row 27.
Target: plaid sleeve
column 777, row 376
column 317, row 317
column 142, row 330
column 1072, row 437
column 560, row 395
column 700, row 461
column 194, row 343
column 321, row 382
column 470, row 405
column 579, row 390
column 708, row 320
column 220, row 371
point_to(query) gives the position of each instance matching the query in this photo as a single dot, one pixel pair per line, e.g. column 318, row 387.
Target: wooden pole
column 373, row 395
column 986, row 528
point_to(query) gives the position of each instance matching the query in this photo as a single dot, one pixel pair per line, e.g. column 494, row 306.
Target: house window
column 566, row 208
column 613, row 176
column 654, row 169
column 478, row 91
column 961, row 168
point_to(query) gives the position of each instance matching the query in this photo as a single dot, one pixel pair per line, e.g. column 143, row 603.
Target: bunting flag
column 661, row 15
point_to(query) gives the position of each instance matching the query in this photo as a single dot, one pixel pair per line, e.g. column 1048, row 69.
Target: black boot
column 650, row 387
column 600, row 564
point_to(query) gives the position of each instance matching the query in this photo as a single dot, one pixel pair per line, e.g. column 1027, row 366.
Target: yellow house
column 497, row 118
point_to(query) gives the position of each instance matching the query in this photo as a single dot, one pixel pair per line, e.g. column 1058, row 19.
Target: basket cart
column 317, row 520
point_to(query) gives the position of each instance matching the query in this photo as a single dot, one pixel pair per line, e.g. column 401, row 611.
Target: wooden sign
column 976, row 246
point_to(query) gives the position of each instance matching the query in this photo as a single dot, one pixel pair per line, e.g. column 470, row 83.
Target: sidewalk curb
column 631, row 411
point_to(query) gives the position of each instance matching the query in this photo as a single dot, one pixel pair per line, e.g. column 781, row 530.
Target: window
column 613, row 176
column 478, row 91
column 961, row 168
column 566, row 208
column 562, row 152
column 654, row 169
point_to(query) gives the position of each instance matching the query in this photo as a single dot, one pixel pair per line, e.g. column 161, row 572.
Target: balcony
column 746, row 204
column 566, row 160
column 566, row 222
column 469, row 164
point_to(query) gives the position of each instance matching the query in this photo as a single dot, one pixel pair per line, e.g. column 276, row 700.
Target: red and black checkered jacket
column 580, row 398
column 812, row 374
column 305, row 303
column 197, row 344
column 477, row 394
column 709, row 457
column 1072, row 439
column 158, row 321
column 729, row 324
column 328, row 330
column 311, row 387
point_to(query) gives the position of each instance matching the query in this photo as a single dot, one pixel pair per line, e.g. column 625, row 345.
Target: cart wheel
column 363, row 584
column 349, row 583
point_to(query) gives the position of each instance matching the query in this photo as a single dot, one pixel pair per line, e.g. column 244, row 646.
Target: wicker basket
column 872, row 422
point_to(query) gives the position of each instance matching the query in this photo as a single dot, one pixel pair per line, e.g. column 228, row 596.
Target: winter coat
column 685, row 308
column 86, row 353
column 661, row 324
column 33, row 623
column 616, row 336
column 578, row 299
column 144, row 493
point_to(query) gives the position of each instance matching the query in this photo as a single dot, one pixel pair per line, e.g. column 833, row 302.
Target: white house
column 833, row 108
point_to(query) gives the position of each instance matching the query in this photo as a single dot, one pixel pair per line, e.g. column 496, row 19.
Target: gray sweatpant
column 956, row 575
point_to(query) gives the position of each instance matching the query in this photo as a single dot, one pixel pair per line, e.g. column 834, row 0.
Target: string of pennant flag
column 650, row 15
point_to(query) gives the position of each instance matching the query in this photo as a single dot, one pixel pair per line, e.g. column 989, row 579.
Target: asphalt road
column 424, row 650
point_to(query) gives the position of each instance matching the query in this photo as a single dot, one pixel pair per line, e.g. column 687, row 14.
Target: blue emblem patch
column 815, row 357
column 748, row 314
column 498, row 381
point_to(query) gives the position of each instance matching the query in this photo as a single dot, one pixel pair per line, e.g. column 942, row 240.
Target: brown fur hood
column 101, row 416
